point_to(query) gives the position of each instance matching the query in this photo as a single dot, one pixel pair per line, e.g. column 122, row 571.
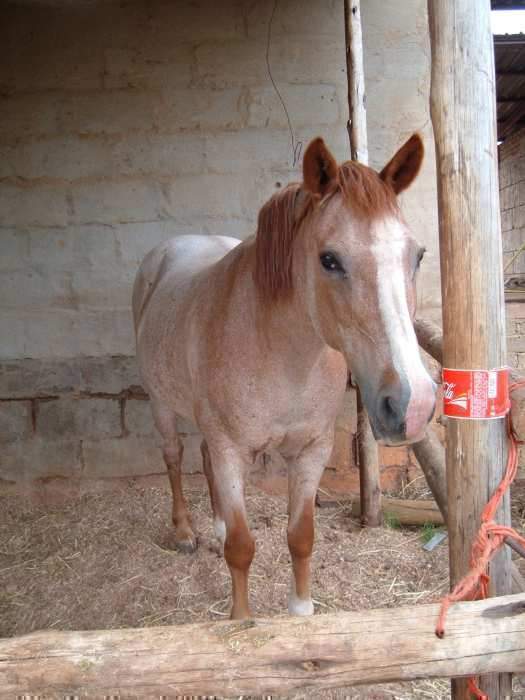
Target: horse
column 254, row 340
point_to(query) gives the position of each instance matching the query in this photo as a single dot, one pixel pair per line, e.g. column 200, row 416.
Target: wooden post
column 356, row 82
column 277, row 656
column 430, row 338
column 463, row 110
column 369, row 482
column 369, row 486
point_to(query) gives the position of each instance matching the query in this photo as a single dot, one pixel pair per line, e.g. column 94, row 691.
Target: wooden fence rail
column 269, row 656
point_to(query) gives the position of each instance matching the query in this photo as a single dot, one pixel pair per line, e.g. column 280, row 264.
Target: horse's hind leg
column 218, row 521
column 172, row 451
column 304, row 475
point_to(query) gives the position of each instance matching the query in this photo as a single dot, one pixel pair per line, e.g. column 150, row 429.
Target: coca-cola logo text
column 448, row 390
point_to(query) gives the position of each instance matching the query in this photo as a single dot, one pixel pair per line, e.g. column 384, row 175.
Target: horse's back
column 178, row 259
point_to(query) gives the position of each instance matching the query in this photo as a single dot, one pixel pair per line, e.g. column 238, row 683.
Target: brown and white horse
column 253, row 341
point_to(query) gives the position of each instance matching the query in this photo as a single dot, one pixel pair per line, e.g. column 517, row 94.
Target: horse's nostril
column 389, row 407
column 391, row 414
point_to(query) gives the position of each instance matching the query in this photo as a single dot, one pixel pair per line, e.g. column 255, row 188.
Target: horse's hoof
column 299, row 607
column 187, row 546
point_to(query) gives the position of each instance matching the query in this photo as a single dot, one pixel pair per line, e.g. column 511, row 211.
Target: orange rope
column 490, row 538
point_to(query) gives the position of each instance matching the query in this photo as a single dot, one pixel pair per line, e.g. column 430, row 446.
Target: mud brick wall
column 125, row 123
column 512, row 202
column 84, row 418
column 515, row 319
column 515, row 315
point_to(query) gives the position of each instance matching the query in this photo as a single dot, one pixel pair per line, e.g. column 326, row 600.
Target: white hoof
column 296, row 606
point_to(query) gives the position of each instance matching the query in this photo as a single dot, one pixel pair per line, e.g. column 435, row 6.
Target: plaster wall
column 125, row 123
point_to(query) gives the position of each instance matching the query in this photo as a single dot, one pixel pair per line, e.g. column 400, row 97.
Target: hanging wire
column 297, row 146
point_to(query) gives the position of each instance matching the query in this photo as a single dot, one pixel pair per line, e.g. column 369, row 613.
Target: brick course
column 15, row 421
column 86, row 418
column 95, row 418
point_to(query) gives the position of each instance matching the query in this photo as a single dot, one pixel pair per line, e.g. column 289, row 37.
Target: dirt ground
column 104, row 558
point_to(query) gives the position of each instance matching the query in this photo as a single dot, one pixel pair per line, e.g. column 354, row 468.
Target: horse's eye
column 420, row 254
column 331, row 263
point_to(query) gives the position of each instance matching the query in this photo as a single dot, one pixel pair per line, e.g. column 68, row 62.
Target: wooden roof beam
column 505, row 126
column 510, row 73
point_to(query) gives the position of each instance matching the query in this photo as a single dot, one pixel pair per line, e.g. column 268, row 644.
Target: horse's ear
column 319, row 167
column 401, row 171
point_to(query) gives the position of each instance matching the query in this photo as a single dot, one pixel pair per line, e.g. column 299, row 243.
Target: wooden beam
column 430, row 338
column 515, row 546
column 506, row 126
column 518, row 582
column 506, row 4
column 276, row 656
column 510, row 73
column 429, row 452
column 463, row 111
column 407, row 511
column 517, row 40
column 430, row 455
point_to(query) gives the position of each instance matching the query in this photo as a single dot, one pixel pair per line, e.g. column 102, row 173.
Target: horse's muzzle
column 400, row 417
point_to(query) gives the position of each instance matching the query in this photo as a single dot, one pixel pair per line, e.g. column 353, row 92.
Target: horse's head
column 348, row 253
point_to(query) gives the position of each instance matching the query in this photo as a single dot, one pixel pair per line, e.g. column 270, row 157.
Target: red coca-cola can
column 476, row 393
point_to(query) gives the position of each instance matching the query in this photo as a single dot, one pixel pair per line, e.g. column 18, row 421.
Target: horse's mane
column 366, row 194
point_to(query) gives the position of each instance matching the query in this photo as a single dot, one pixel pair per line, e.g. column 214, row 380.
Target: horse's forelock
column 365, row 192
column 367, row 195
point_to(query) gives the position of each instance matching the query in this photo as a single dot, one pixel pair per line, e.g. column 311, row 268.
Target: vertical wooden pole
column 369, row 486
column 462, row 103
column 356, row 82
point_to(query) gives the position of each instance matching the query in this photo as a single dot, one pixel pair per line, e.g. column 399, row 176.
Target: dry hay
column 104, row 559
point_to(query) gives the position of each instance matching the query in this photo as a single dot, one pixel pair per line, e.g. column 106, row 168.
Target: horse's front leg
column 304, row 475
column 227, row 467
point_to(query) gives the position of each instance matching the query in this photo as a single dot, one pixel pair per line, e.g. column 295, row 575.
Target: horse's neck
column 283, row 325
